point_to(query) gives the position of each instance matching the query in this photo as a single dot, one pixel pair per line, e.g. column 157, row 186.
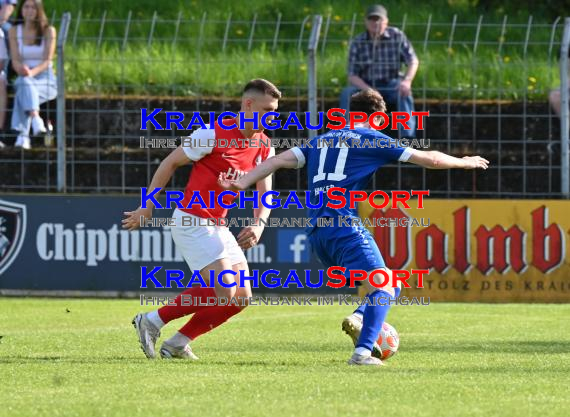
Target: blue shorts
column 350, row 247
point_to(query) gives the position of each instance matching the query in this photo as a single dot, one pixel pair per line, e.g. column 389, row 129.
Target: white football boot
column 352, row 326
column 148, row 335
column 171, row 352
column 364, row 360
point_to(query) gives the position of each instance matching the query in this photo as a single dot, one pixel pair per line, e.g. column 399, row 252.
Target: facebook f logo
column 293, row 246
column 298, row 247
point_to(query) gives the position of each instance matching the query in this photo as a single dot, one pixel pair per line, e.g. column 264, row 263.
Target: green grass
column 198, row 65
column 297, row 9
column 454, row 360
column 167, row 72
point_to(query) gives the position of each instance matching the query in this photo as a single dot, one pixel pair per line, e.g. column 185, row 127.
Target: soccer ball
column 389, row 340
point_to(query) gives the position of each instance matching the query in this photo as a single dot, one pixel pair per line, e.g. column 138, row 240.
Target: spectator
column 375, row 59
column 7, row 7
column 32, row 46
column 6, row 10
column 3, row 98
column 554, row 96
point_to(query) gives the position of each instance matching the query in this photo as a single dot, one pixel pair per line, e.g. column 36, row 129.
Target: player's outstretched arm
column 440, row 160
column 286, row 159
column 250, row 236
column 161, row 177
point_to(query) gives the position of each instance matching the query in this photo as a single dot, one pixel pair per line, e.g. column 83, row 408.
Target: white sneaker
column 171, row 352
column 23, row 142
column 38, row 126
column 148, row 335
column 352, row 326
column 357, row 359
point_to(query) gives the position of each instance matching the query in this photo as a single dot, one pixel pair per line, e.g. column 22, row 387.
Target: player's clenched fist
column 132, row 219
column 249, row 237
column 474, row 162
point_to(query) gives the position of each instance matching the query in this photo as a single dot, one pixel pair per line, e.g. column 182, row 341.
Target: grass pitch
column 81, row 358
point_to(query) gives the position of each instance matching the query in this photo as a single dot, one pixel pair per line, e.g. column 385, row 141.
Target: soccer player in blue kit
column 350, row 166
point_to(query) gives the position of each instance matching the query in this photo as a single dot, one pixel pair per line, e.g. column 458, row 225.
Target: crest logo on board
column 12, row 232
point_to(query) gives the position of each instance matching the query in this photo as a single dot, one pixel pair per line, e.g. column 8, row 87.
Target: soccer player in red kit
column 209, row 248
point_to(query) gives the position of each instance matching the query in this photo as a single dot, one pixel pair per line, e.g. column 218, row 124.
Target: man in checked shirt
column 374, row 61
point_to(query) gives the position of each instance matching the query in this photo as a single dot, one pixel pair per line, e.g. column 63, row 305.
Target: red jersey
column 234, row 158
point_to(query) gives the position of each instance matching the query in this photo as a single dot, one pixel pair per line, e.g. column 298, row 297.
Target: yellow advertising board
column 478, row 250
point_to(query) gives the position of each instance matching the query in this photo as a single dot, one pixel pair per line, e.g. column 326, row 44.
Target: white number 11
column 338, row 173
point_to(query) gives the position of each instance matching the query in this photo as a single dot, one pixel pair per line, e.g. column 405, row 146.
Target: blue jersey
column 349, row 164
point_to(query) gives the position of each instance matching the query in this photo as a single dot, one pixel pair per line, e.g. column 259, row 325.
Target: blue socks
column 374, row 315
column 360, row 309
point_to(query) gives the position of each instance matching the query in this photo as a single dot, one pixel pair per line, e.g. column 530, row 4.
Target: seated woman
column 32, row 46
column 3, row 94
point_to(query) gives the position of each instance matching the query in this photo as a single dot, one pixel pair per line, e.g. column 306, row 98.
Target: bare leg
column 554, row 98
column 3, row 103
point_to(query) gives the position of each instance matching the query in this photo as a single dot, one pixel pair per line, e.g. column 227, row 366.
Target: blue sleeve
column 386, row 149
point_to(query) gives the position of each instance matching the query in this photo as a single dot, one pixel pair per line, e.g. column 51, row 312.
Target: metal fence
column 184, row 64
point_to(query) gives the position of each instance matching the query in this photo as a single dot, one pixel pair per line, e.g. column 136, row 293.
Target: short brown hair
column 259, row 85
column 368, row 101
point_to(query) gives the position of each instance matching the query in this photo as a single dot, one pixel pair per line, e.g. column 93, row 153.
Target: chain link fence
column 485, row 85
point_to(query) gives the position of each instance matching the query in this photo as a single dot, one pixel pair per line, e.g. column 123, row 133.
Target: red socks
column 205, row 317
column 169, row 313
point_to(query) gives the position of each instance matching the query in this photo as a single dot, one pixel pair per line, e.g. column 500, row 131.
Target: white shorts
column 202, row 245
